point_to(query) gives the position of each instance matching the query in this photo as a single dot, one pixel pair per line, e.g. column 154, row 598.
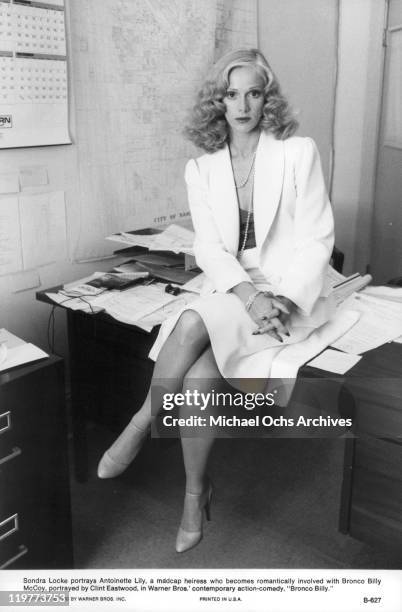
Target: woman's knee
column 202, row 371
column 190, row 328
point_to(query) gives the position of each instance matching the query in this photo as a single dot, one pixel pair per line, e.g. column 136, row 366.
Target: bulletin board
column 33, row 74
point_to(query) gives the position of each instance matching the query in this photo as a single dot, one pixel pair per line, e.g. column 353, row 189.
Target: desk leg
column 78, row 405
column 346, row 492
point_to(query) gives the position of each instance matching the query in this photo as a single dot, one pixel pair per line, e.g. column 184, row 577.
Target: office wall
column 299, row 39
column 356, row 126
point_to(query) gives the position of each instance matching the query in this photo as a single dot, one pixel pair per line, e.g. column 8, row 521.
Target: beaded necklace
column 240, row 185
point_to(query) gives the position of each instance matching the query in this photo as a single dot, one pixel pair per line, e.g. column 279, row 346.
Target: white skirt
column 238, row 353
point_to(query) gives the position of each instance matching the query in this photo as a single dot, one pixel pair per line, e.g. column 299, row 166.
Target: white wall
column 298, row 38
column 356, row 126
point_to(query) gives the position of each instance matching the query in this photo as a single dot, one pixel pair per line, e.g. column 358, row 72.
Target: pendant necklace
column 243, row 183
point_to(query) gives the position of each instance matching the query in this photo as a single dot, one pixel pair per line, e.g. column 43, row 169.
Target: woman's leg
column 196, row 452
column 180, row 351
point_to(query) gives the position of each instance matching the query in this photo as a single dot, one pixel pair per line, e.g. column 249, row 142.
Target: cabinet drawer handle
column 6, row 416
column 15, row 452
column 14, row 519
column 22, row 551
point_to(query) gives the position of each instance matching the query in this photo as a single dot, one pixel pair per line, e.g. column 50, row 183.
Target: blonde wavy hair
column 207, row 127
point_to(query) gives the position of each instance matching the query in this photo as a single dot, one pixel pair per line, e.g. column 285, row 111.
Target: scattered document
column 380, row 322
column 73, row 286
column 141, row 238
column 15, row 352
column 175, row 238
column 335, row 361
column 178, row 276
column 134, row 304
column 287, row 362
column 172, row 308
column 168, row 260
column 386, row 292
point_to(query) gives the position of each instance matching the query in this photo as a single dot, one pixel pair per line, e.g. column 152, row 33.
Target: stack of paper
column 387, row 293
column 15, row 352
column 175, row 238
column 380, row 322
column 142, row 238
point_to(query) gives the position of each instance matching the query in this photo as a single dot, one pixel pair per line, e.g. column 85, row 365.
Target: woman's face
column 244, row 99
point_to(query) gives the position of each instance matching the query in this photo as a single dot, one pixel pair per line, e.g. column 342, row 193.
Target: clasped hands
column 271, row 313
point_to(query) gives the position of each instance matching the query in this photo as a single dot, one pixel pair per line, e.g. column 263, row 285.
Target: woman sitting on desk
column 263, row 236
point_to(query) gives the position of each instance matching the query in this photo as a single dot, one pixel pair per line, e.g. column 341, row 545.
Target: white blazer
column 293, row 220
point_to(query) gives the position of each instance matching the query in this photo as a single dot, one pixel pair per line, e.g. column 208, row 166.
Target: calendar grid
column 33, row 72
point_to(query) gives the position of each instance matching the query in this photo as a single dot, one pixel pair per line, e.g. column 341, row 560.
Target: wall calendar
column 33, row 74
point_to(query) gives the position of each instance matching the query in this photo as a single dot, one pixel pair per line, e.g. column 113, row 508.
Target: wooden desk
column 371, row 502
column 110, row 374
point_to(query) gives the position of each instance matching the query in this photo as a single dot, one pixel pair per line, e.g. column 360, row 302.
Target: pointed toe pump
column 109, row 467
column 194, row 507
column 114, row 461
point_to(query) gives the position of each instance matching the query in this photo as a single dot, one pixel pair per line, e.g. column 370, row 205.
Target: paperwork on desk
column 134, row 304
column 380, row 322
column 143, row 305
column 387, row 293
column 15, row 352
column 334, row 361
column 142, row 238
column 175, row 238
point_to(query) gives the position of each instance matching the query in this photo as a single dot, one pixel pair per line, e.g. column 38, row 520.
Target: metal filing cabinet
column 35, row 514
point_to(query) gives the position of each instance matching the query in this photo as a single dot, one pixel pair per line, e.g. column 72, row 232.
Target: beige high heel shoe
column 188, row 539
column 110, row 465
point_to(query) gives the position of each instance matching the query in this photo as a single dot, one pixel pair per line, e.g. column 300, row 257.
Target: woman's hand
column 271, row 313
column 275, row 322
column 267, row 312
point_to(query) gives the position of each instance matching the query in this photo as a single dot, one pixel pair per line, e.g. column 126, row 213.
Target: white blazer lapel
column 224, row 198
column 268, row 183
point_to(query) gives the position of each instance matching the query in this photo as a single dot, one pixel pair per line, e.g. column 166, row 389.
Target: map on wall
column 136, row 67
